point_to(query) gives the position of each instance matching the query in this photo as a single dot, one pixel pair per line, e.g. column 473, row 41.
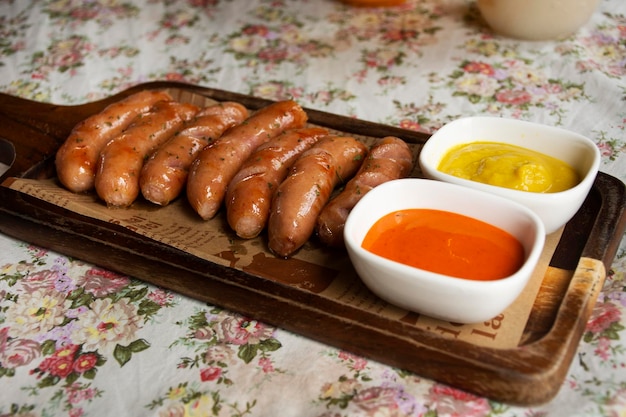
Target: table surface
column 77, row 340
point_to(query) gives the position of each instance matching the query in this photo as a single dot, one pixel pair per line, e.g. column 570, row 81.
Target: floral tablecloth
column 77, row 340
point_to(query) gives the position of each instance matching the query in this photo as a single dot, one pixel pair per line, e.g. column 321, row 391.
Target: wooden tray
column 528, row 374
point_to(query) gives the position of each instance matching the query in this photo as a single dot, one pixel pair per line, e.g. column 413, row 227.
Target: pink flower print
column 37, row 252
column 573, row 384
column 60, row 366
column 161, row 297
column 84, row 13
column 174, row 76
column 67, row 351
column 602, row 317
column 61, row 362
column 346, row 356
column 606, row 150
column 603, row 349
column 101, row 283
column 67, row 53
column 480, row 68
column 77, row 393
column 241, row 331
column 273, row 54
column 553, row 88
column 514, row 97
column 220, row 353
column 586, row 66
column 266, row 365
column 258, row 30
column 357, row 363
column 202, row 3
column 210, row 374
column 323, row 97
column 85, row 362
column 457, row 403
column 41, row 280
column 76, row 412
column 410, row 125
column 203, row 333
column 377, row 398
column 398, row 35
column 17, row 352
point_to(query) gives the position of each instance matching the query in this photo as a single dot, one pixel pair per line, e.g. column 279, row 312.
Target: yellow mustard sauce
column 509, row 166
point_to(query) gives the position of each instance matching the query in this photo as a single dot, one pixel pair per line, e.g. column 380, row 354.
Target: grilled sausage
column 77, row 158
column 388, row 159
column 249, row 194
column 217, row 164
column 164, row 174
column 307, row 188
column 120, row 162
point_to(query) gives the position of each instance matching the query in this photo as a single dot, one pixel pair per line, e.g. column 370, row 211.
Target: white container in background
column 536, row 19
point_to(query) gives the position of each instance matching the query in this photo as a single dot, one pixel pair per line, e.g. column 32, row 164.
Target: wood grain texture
column 530, row 374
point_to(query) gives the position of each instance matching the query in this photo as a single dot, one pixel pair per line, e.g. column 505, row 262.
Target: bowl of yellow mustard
column 548, row 169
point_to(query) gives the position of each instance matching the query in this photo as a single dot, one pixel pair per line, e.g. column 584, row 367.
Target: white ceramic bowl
column 554, row 209
column 536, row 19
column 448, row 298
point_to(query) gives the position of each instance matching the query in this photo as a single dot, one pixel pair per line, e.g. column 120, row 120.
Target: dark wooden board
column 532, row 373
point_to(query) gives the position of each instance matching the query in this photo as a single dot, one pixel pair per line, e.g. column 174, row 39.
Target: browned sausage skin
column 120, row 162
column 249, row 194
column 217, row 164
column 388, row 159
column 164, row 174
column 77, row 158
column 307, row 188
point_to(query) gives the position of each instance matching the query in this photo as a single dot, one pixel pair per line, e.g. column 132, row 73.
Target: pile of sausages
column 268, row 169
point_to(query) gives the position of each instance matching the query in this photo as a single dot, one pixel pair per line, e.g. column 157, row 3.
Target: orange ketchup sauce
column 445, row 243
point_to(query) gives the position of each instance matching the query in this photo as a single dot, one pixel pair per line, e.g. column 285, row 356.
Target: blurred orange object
column 373, row 3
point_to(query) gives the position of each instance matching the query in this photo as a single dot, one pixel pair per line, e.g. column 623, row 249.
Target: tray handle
column 31, row 132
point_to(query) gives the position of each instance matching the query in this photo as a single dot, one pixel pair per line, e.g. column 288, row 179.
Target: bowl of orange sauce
column 548, row 169
column 443, row 250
